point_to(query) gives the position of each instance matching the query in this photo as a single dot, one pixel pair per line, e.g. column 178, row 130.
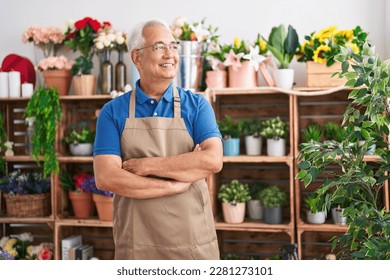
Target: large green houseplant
column 45, row 107
column 368, row 234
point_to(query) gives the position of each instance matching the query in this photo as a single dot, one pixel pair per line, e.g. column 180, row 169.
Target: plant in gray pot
column 80, row 139
column 273, row 199
column 231, row 132
column 234, row 196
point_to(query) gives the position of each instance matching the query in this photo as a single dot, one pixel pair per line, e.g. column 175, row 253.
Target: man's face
column 155, row 64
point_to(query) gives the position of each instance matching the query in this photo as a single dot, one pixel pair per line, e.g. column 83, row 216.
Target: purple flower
column 90, row 184
column 4, row 255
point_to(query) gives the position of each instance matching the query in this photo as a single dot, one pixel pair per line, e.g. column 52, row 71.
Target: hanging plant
column 44, row 105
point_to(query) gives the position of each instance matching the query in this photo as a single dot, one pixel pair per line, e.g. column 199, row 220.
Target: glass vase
column 106, row 73
column 120, row 73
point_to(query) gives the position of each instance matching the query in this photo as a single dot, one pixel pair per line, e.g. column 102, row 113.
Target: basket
column 27, row 205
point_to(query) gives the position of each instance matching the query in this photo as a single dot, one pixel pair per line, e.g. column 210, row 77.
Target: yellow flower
column 263, row 46
column 325, row 33
column 29, row 250
column 237, row 42
column 353, row 47
column 317, row 56
column 347, row 34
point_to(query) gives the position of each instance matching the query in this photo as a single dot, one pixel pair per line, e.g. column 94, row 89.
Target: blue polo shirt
column 196, row 111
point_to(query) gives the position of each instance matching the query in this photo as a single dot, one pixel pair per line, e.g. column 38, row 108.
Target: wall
column 244, row 18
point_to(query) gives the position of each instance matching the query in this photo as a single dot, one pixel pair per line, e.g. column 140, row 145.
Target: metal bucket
column 189, row 75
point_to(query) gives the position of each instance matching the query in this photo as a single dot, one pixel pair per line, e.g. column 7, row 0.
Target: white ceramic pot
column 253, row 145
column 81, row 149
column 233, row 213
column 284, row 78
column 317, row 218
column 276, row 147
column 255, row 209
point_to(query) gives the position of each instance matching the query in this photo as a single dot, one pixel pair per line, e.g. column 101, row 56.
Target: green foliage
column 251, row 127
column 255, row 189
column 368, row 235
column 44, row 105
column 274, row 128
column 234, row 192
column 333, row 131
column 229, row 128
column 317, row 202
column 80, row 133
column 272, row 197
column 283, row 44
column 312, row 132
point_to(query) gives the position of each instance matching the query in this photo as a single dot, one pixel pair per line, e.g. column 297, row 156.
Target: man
column 154, row 146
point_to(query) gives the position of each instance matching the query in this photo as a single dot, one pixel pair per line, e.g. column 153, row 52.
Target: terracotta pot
column 82, row 204
column 60, row 79
column 84, row 84
column 104, row 206
column 244, row 76
column 216, row 79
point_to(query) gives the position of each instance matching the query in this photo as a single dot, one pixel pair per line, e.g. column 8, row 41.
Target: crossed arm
column 129, row 178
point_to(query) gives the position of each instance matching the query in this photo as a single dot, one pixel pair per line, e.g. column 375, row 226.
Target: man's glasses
column 161, row 47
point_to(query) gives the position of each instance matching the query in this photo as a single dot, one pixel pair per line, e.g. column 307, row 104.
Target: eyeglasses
column 161, row 47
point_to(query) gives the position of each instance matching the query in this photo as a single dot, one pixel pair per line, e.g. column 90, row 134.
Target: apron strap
column 176, row 104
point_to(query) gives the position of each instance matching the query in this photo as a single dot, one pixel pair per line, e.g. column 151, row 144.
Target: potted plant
column 316, row 207
column 283, row 46
column 80, row 195
column 216, row 74
column 103, row 199
column 333, row 131
column 319, row 49
column 44, row 106
column 312, row 132
column 275, row 130
column 80, row 139
column 273, row 199
column 80, row 36
column 234, row 195
column 231, row 132
column 26, row 194
column 56, row 72
column 367, row 236
column 255, row 207
column 253, row 142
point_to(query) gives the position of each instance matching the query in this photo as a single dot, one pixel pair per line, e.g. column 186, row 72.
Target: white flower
column 26, row 236
column 3, row 241
column 200, row 32
column 254, row 57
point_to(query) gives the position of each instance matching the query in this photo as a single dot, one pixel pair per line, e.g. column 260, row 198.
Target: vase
column 242, row 77
column 82, row 204
column 104, row 206
column 216, row 79
column 120, row 73
column 84, row 84
column 59, row 79
column 284, row 78
column 189, row 75
column 106, row 73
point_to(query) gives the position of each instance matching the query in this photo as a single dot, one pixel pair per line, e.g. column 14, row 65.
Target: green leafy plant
column 333, row 131
column 80, row 133
column 272, row 197
column 312, row 132
column 230, row 128
column 283, row 44
column 251, row 127
column 322, row 46
column 44, row 105
column 317, row 202
column 234, row 192
column 255, row 189
column 274, row 128
column 368, row 221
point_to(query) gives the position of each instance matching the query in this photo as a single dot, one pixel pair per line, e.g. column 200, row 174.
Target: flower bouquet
column 26, row 195
column 20, row 247
column 49, row 39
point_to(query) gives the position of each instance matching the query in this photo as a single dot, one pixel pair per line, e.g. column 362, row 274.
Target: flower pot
column 231, row 147
column 284, row 78
column 81, row 149
column 316, row 218
column 82, row 204
column 253, row 145
column 320, row 75
column 244, row 76
column 59, row 79
column 276, row 147
column 84, row 84
column 255, row 209
column 104, row 206
column 273, row 215
column 338, row 216
column 233, row 213
column 216, row 79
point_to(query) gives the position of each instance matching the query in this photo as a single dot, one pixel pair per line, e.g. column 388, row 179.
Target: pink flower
column 55, row 63
column 233, row 60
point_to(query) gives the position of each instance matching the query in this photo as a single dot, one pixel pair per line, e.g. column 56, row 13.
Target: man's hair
column 136, row 39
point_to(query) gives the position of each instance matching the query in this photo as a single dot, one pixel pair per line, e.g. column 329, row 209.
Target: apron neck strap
column 176, row 104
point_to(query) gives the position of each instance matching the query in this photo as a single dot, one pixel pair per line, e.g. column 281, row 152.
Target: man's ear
column 135, row 57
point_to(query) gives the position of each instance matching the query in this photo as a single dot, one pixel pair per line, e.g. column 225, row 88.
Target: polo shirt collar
column 142, row 97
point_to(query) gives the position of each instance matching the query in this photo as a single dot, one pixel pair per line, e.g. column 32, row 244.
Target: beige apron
column 173, row 227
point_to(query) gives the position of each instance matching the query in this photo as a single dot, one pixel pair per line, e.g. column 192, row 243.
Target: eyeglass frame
column 167, row 46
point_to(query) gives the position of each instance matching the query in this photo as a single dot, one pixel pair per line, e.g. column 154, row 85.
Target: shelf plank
column 85, row 97
column 73, row 159
column 257, row 159
column 61, row 221
column 249, row 225
column 326, row 227
column 30, row 220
